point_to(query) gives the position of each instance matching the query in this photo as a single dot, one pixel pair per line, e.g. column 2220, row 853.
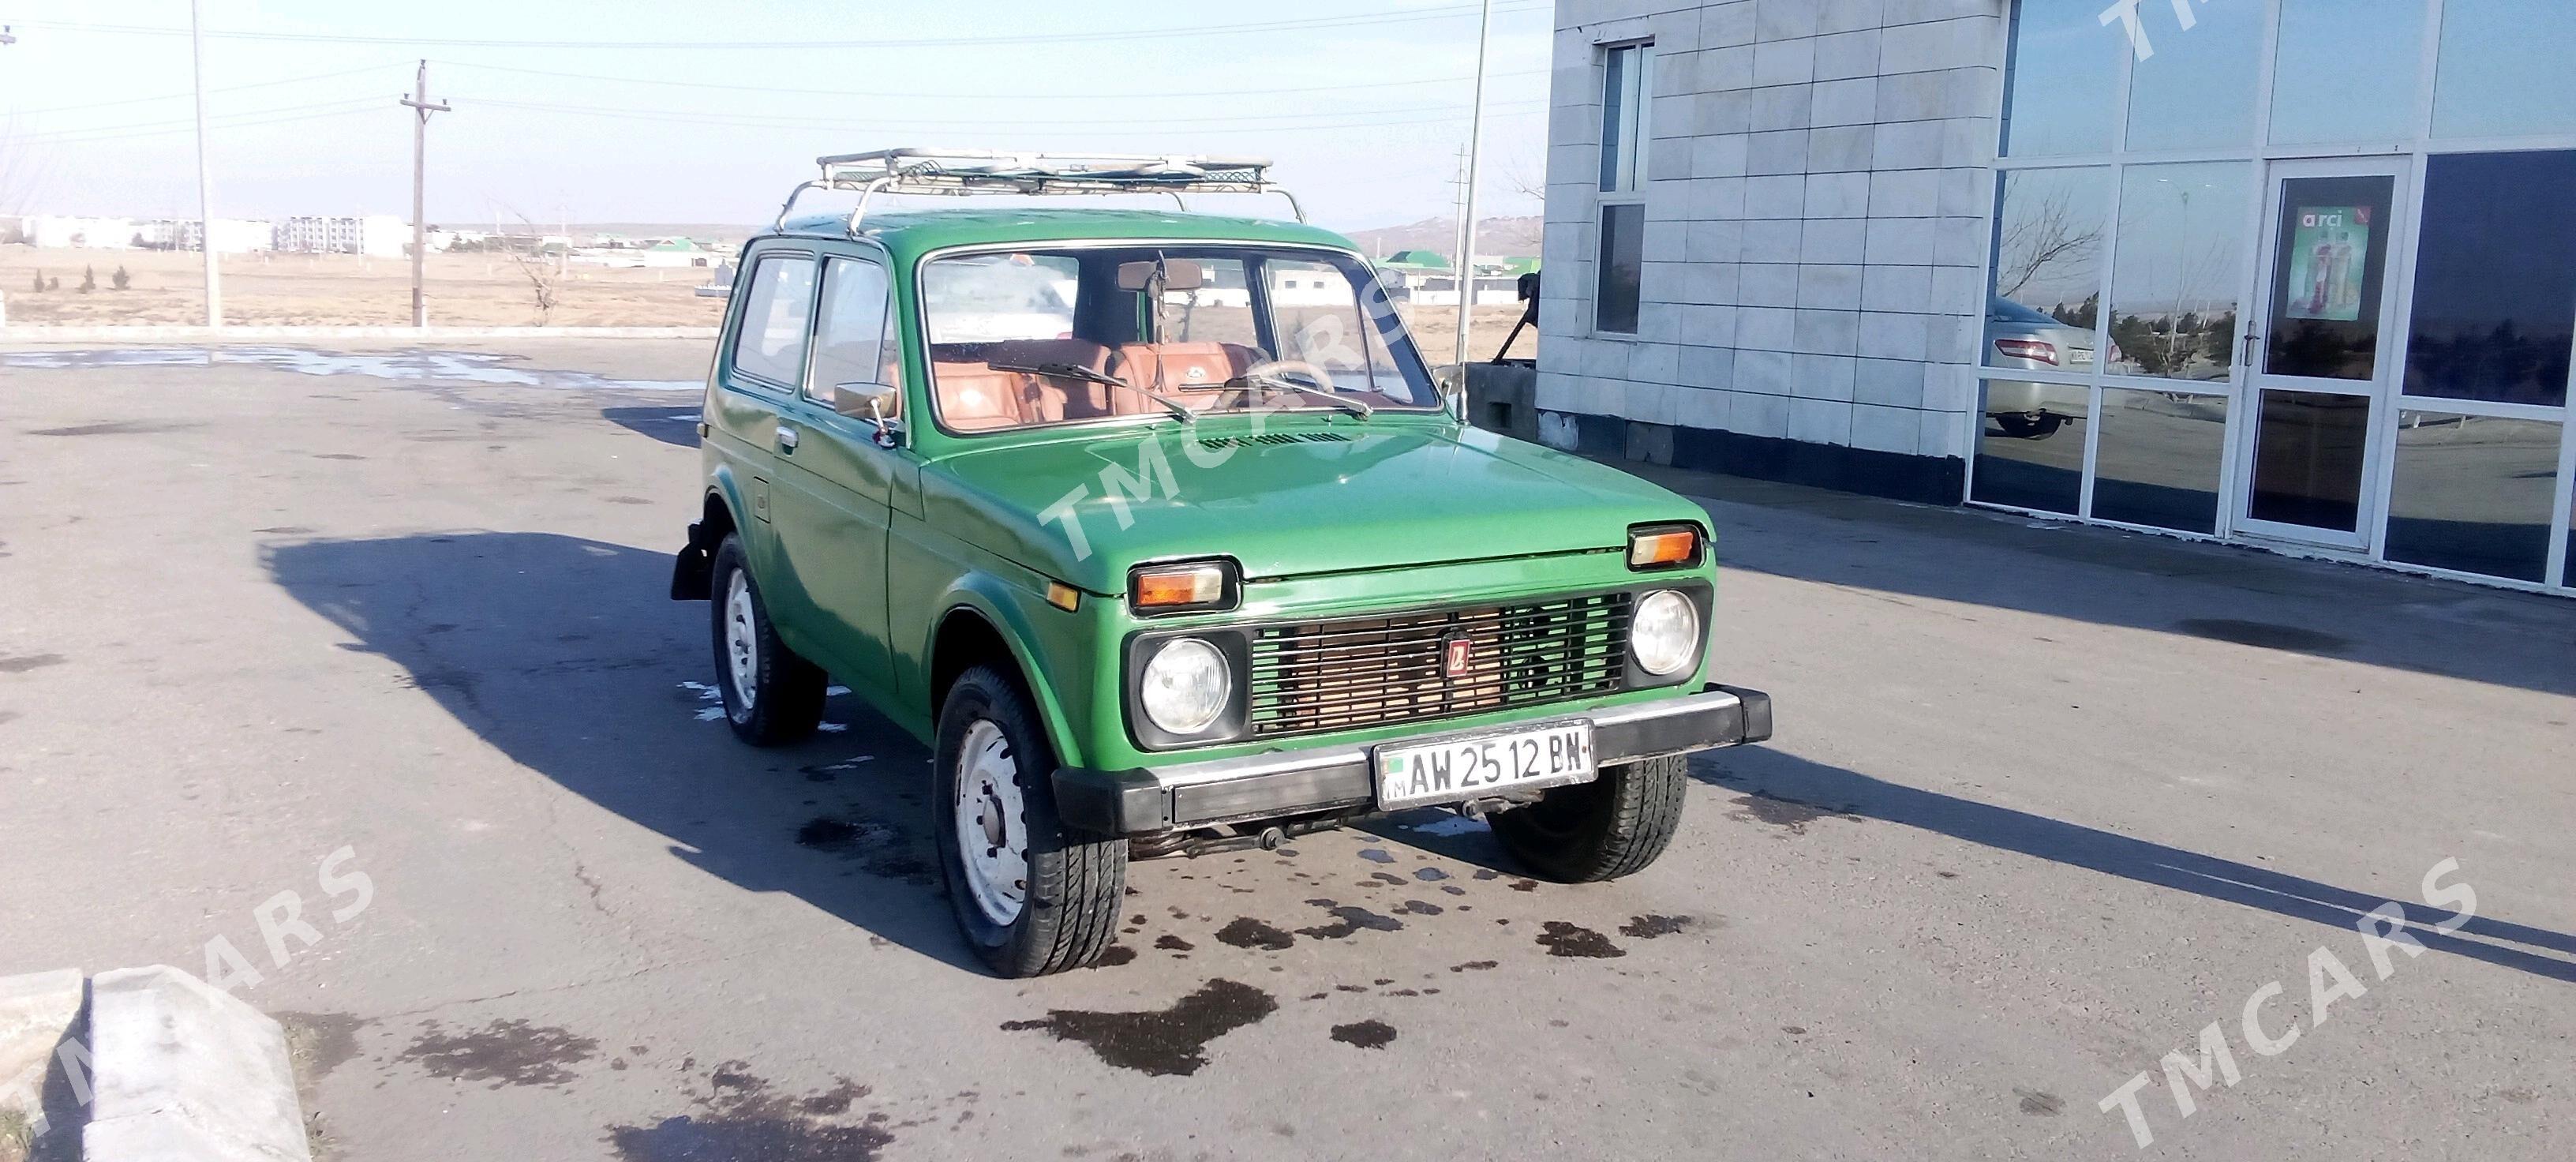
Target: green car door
column 836, row 480
column 758, row 371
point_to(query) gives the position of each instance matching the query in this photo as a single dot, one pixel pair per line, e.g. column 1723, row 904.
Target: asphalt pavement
column 2045, row 804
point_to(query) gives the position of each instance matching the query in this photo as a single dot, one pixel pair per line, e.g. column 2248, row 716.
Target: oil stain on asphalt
column 1162, row 1042
column 1563, row 939
column 1246, row 932
column 1365, row 1034
column 880, row 850
column 1649, row 927
column 1760, row 807
column 511, row 1052
column 25, row 662
column 1348, row 920
column 741, row 1118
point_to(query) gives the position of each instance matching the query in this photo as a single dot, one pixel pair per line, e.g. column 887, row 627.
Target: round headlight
column 1664, row 636
column 1185, row 686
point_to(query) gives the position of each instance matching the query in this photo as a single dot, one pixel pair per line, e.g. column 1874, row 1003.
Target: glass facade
column 2181, row 269
column 2495, row 279
column 2503, row 69
column 2475, row 494
column 2301, row 271
column 2160, row 459
column 2031, row 453
column 2346, row 71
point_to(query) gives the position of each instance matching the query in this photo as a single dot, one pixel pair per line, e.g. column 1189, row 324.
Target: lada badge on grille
column 1457, row 655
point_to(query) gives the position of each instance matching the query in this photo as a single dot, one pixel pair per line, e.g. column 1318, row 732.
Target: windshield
column 1029, row 338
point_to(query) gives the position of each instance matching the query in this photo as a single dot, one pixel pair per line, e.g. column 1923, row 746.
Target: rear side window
column 775, row 318
column 850, row 342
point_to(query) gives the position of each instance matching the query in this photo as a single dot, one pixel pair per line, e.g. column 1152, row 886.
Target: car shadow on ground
column 677, row 426
column 568, row 656
column 1782, row 788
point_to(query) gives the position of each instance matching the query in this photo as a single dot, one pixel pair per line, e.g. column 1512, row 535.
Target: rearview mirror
column 1179, row 274
column 876, row 404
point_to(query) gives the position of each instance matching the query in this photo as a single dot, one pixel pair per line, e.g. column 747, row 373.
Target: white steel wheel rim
column 992, row 823
column 742, row 641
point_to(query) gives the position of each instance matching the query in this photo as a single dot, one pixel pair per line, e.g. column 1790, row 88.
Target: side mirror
column 871, row 402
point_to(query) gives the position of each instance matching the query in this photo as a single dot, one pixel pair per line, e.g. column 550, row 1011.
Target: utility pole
column 422, row 106
column 205, row 178
column 1467, row 219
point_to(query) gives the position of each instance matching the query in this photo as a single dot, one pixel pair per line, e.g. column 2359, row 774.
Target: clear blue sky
column 1362, row 102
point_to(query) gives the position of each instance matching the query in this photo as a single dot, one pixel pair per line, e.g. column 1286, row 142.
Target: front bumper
column 1321, row 780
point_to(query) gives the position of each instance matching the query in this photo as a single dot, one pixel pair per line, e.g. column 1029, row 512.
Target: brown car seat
column 1171, row 368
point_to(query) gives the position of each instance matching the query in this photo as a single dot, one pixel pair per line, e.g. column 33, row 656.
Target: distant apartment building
column 59, row 231
column 377, row 235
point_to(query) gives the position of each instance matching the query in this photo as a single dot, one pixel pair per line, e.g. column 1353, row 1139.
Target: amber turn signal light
column 1063, row 596
column 1190, row 585
column 1662, row 548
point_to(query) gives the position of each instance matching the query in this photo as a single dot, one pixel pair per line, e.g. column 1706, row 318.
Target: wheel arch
column 980, row 625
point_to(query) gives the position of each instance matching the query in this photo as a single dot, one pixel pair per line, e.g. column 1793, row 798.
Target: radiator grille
column 1319, row 676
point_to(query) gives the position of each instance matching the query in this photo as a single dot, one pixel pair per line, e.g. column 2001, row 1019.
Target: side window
column 771, row 344
column 849, row 342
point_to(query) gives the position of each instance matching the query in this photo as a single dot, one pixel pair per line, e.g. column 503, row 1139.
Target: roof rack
column 967, row 172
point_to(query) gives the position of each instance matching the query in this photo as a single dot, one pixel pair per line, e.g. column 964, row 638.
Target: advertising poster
column 2329, row 254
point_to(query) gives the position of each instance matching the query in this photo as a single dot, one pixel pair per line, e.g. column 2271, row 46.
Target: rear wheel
column 772, row 697
column 1032, row 895
column 1611, row 827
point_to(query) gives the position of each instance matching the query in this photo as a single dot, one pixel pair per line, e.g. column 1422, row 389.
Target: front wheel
column 1033, row 895
column 1611, row 827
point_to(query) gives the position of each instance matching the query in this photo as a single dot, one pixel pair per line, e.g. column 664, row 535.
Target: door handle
column 2252, row 342
column 787, row 439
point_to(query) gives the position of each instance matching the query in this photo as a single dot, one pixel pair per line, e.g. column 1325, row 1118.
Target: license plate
column 2080, row 356
column 1474, row 766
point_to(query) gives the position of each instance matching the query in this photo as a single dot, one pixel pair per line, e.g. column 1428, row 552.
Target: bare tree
column 2039, row 235
column 545, row 284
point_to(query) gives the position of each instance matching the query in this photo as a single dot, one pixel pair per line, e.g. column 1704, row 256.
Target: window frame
column 742, row 320
column 1638, row 139
column 886, row 329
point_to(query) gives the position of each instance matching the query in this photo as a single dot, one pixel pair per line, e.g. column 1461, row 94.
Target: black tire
column 1076, row 882
column 2039, row 427
column 1611, row 827
column 785, row 701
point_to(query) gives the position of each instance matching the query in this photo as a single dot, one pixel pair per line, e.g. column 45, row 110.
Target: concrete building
column 63, row 232
column 377, row 235
column 2298, row 274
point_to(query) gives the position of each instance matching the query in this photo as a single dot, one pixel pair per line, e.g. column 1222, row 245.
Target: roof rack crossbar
column 966, row 173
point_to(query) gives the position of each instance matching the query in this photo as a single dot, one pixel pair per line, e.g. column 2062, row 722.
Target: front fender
column 1014, row 614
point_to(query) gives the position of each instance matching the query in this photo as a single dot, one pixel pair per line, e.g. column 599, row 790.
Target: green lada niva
column 1156, row 529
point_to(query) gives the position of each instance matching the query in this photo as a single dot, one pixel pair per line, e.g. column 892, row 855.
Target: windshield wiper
column 1087, row 375
column 1355, row 407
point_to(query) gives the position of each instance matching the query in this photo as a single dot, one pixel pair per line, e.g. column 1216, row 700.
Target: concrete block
column 186, row 1071
column 1650, row 442
column 36, row 1011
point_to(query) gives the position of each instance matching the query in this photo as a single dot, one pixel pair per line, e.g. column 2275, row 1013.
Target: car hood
column 1289, row 501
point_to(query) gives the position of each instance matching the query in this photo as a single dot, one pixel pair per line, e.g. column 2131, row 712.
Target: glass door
column 2319, row 352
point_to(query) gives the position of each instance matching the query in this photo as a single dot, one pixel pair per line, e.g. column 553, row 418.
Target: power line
column 230, row 121
column 945, row 96
column 1365, row 20
column 790, row 121
column 1242, row 125
column 186, row 96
